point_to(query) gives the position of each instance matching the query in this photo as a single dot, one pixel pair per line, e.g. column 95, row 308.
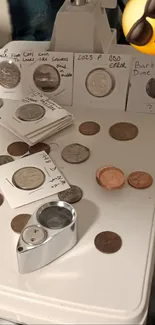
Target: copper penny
column 1, row 199
column 123, row 131
column 18, row 148
column 99, row 170
column 111, row 178
column 108, row 242
column 19, row 222
column 140, row 180
column 41, row 146
column 89, row 128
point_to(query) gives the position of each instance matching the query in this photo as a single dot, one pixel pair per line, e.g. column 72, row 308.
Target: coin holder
column 54, row 182
column 50, row 73
column 98, row 80
column 141, row 97
column 50, row 232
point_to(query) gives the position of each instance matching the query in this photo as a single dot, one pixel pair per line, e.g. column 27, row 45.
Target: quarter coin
column 9, row 74
column 99, row 83
column 19, row 222
column 18, row 148
column 46, row 78
column 140, row 180
column 123, row 131
column 75, row 153
column 55, row 217
column 111, row 178
column 71, row 195
column 5, row 159
column 108, row 242
column 41, row 146
column 89, row 128
column 30, row 112
column 150, row 88
column 1, row 199
column 28, row 178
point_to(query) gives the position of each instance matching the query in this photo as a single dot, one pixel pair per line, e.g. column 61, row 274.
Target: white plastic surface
column 85, row 286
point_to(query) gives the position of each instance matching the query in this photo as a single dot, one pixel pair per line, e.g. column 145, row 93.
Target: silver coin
column 28, row 178
column 46, row 78
column 1, row 102
column 150, row 88
column 71, row 195
column 9, row 74
column 55, row 217
column 75, row 153
column 99, row 83
column 30, row 112
column 4, row 159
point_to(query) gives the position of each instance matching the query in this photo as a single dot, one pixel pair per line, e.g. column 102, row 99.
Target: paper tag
column 101, row 80
column 142, row 85
column 54, row 182
column 50, row 73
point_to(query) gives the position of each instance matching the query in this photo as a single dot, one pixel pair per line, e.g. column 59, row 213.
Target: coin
column 71, row 195
column 99, row 83
column 140, row 180
column 18, row 148
column 5, row 159
column 89, row 128
column 108, row 242
column 123, row 131
column 9, row 74
column 99, row 170
column 150, row 88
column 40, row 147
column 19, row 222
column 111, row 178
column 46, row 78
column 30, row 112
column 55, row 217
column 1, row 199
column 28, row 178
column 75, row 153
column 1, row 102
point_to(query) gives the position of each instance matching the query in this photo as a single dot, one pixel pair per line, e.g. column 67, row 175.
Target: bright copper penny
column 98, row 175
column 108, row 242
column 41, row 146
column 18, row 148
column 140, row 180
column 123, row 131
column 89, row 128
column 111, row 178
column 1, row 199
column 19, row 222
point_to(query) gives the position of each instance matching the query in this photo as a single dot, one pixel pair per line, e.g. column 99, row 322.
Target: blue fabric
column 33, row 19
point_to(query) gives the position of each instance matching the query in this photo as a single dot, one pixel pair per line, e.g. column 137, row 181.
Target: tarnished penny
column 28, row 178
column 1, row 199
column 71, row 195
column 108, row 242
column 123, row 131
column 19, row 222
column 89, row 128
column 18, row 148
column 40, row 147
column 140, row 180
column 75, row 153
column 9, row 74
column 4, row 159
column 111, row 178
column 46, row 78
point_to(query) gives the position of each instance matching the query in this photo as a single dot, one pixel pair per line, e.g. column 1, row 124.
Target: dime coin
column 30, row 112
column 46, row 78
column 1, row 103
column 55, row 217
column 140, row 180
column 5, row 159
column 108, row 242
column 40, row 147
column 71, row 195
column 123, row 131
column 19, row 222
column 28, row 178
column 9, row 74
column 1, row 199
column 75, row 153
column 18, row 148
column 150, row 88
column 89, row 128
column 99, row 83
column 111, row 178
